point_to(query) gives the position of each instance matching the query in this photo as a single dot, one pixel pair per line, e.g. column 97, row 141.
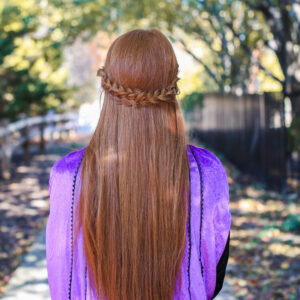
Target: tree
column 233, row 30
column 283, row 19
column 33, row 35
column 31, row 79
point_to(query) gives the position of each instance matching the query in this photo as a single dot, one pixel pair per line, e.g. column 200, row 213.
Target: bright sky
column 185, row 61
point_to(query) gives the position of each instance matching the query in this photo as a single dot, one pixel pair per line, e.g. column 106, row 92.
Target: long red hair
column 135, row 179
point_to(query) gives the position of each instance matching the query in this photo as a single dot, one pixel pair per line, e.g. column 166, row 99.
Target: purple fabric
column 210, row 222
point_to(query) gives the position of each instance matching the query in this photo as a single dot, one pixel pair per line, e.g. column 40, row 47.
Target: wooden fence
column 251, row 131
column 20, row 133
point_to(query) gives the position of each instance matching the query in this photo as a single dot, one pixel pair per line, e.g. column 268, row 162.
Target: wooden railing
column 20, row 133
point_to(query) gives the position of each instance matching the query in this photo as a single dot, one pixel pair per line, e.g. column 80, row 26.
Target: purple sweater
column 208, row 230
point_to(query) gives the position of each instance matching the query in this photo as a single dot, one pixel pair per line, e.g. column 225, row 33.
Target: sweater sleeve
column 57, row 230
column 221, row 221
column 215, row 219
column 221, row 268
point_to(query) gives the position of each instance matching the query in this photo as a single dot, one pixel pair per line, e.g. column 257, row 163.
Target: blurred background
column 239, row 64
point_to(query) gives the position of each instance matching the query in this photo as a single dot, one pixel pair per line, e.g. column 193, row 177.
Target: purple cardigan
column 208, row 230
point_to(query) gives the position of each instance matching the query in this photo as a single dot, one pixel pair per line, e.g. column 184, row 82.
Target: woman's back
column 208, row 227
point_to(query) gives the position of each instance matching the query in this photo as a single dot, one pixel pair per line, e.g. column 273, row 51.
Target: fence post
column 25, row 146
column 42, row 137
column 284, row 146
column 262, row 121
column 50, row 124
column 6, row 151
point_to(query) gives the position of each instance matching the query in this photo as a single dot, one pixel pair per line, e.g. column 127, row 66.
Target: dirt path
column 265, row 243
column 264, row 260
column 29, row 281
column 24, row 205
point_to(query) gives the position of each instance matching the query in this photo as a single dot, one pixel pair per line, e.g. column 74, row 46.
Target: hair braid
column 136, row 97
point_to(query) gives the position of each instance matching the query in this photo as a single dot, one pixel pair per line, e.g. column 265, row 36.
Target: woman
column 138, row 213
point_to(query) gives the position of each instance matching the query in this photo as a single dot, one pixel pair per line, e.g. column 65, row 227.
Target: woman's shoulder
column 65, row 167
column 205, row 157
column 211, row 171
column 68, row 162
column 210, row 217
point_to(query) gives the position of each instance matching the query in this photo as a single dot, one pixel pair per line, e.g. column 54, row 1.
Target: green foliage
column 31, row 76
column 220, row 27
column 189, row 102
column 33, row 34
column 291, row 223
column 238, row 35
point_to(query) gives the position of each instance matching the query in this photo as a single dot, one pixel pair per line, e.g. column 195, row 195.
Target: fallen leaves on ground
column 24, row 206
column 265, row 241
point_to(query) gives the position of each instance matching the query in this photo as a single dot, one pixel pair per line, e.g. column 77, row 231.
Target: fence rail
column 25, row 130
column 251, row 131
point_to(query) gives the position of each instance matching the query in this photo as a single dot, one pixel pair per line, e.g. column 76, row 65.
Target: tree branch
column 248, row 51
column 199, row 60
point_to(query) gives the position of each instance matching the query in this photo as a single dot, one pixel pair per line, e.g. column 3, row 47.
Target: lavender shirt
column 208, row 228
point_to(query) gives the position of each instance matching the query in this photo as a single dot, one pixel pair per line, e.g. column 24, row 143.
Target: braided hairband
column 136, row 97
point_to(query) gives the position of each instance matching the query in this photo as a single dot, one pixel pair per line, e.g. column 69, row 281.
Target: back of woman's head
column 135, row 174
column 142, row 60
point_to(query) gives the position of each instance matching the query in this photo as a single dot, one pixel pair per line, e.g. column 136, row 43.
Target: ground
column 265, row 242
column 24, row 205
column 264, row 258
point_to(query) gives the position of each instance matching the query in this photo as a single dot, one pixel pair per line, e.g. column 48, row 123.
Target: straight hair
column 135, row 179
